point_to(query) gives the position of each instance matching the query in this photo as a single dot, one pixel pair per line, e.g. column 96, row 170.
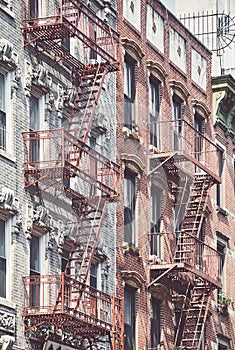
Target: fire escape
column 64, row 304
column 189, row 159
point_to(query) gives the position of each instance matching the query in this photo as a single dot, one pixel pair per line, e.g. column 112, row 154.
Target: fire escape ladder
column 196, row 316
column 82, row 252
column 192, row 221
column 197, row 202
column 83, row 249
column 183, row 311
column 88, row 94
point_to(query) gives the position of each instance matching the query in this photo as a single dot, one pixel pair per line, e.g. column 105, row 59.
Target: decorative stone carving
column 7, row 54
column 69, row 97
column 7, row 200
column 17, row 224
column 40, row 77
column 132, row 278
column 6, row 342
column 7, row 322
column 41, row 218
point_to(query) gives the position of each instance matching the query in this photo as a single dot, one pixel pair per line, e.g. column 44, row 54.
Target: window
column 223, row 343
column 221, row 248
column 5, row 112
column 154, row 113
column 64, row 260
column 219, row 187
column 36, row 114
column 177, row 123
column 34, row 8
column 155, row 322
column 178, row 326
column 129, row 206
column 35, row 270
column 3, row 260
column 129, row 93
column 129, row 318
column 2, row 113
column 93, row 275
column 198, row 139
column 156, row 196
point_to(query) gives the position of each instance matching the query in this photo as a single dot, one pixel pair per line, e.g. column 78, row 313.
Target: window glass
column 2, row 113
column 129, row 318
column 177, row 124
column 154, row 113
column 155, row 322
column 129, row 205
column 156, row 195
column 3, row 259
column 129, row 93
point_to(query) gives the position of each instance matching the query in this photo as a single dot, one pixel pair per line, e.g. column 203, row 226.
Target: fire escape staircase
column 79, row 309
column 193, row 320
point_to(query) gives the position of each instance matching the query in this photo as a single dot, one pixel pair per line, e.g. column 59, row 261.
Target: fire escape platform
column 73, row 20
column 184, row 267
column 71, row 321
column 175, row 158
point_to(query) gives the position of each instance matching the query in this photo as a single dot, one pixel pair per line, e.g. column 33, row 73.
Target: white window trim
column 9, row 120
column 8, row 224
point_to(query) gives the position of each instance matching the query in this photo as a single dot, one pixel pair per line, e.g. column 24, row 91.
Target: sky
column 169, row 4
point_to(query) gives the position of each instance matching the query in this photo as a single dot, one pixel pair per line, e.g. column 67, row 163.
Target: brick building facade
column 167, row 143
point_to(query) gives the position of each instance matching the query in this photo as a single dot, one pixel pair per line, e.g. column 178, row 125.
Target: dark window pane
column 129, row 206
column 129, row 93
column 154, row 113
column 155, row 323
column 2, row 277
column 129, row 318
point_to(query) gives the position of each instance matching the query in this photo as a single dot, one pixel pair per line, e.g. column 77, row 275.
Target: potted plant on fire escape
column 223, row 302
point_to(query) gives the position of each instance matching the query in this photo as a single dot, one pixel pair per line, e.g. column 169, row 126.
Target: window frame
column 155, row 220
column 35, row 124
column 129, row 92
column 7, row 252
column 7, row 112
column 130, row 328
column 41, row 250
column 155, row 323
column 177, row 115
column 130, row 182
column 154, row 111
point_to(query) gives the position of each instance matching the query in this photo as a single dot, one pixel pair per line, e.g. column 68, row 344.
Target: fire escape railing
column 96, row 308
column 179, row 137
column 54, row 155
column 72, row 19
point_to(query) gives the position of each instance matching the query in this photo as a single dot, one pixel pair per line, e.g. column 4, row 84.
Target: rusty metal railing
column 56, row 154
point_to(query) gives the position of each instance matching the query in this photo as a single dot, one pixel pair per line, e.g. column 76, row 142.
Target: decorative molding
column 8, row 56
column 6, row 342
column 201, row 108
column 156, row 69
column 132, row 278
column 132, row 48
column 40, row 77
column 7, row 322
column 38, row 219
column 134, row 160
column 7, row 200
column 179, row 89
